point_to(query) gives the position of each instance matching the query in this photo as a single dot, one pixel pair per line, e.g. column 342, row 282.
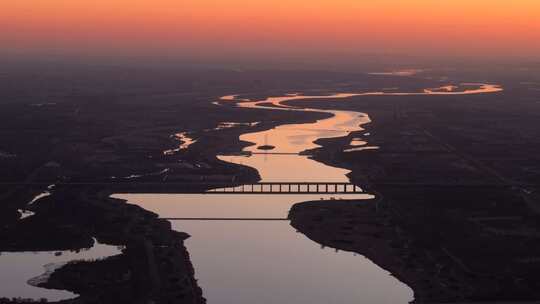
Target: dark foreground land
column 94, row 131
column 457, row 181
column 457, row 177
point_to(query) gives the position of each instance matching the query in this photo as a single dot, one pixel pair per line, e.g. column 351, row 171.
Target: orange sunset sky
column 272, row 29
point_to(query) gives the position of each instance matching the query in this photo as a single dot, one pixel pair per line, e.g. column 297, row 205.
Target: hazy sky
column 272, row 30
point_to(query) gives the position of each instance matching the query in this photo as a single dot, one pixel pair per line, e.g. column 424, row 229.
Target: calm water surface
column 254, row 261
column 18, row 268
column 269, row 262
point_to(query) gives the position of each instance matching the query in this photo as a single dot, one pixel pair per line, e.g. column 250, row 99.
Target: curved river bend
column 267, row 262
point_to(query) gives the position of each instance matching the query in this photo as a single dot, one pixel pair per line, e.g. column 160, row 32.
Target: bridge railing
column 291, row 188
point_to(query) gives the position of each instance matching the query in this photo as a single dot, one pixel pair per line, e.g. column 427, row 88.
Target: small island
column 266, row 147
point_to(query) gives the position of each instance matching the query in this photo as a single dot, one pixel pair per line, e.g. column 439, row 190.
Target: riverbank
column 154, row 264
column 368, row 228
column 122, row 154
column 461, row 228
column 73, row 141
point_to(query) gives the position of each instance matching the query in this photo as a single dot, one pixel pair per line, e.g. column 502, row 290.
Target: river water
column 254, row 261
column 20, row 271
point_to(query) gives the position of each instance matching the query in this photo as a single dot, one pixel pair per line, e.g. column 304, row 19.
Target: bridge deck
column 290, row 188
column 216, row 187
column 224, row 219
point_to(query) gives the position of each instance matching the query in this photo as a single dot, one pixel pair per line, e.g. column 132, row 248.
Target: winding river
column 253, row 261
column 247, row 260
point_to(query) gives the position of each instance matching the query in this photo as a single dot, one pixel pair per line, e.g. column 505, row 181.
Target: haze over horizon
column 317, row 32
column 269, row 151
